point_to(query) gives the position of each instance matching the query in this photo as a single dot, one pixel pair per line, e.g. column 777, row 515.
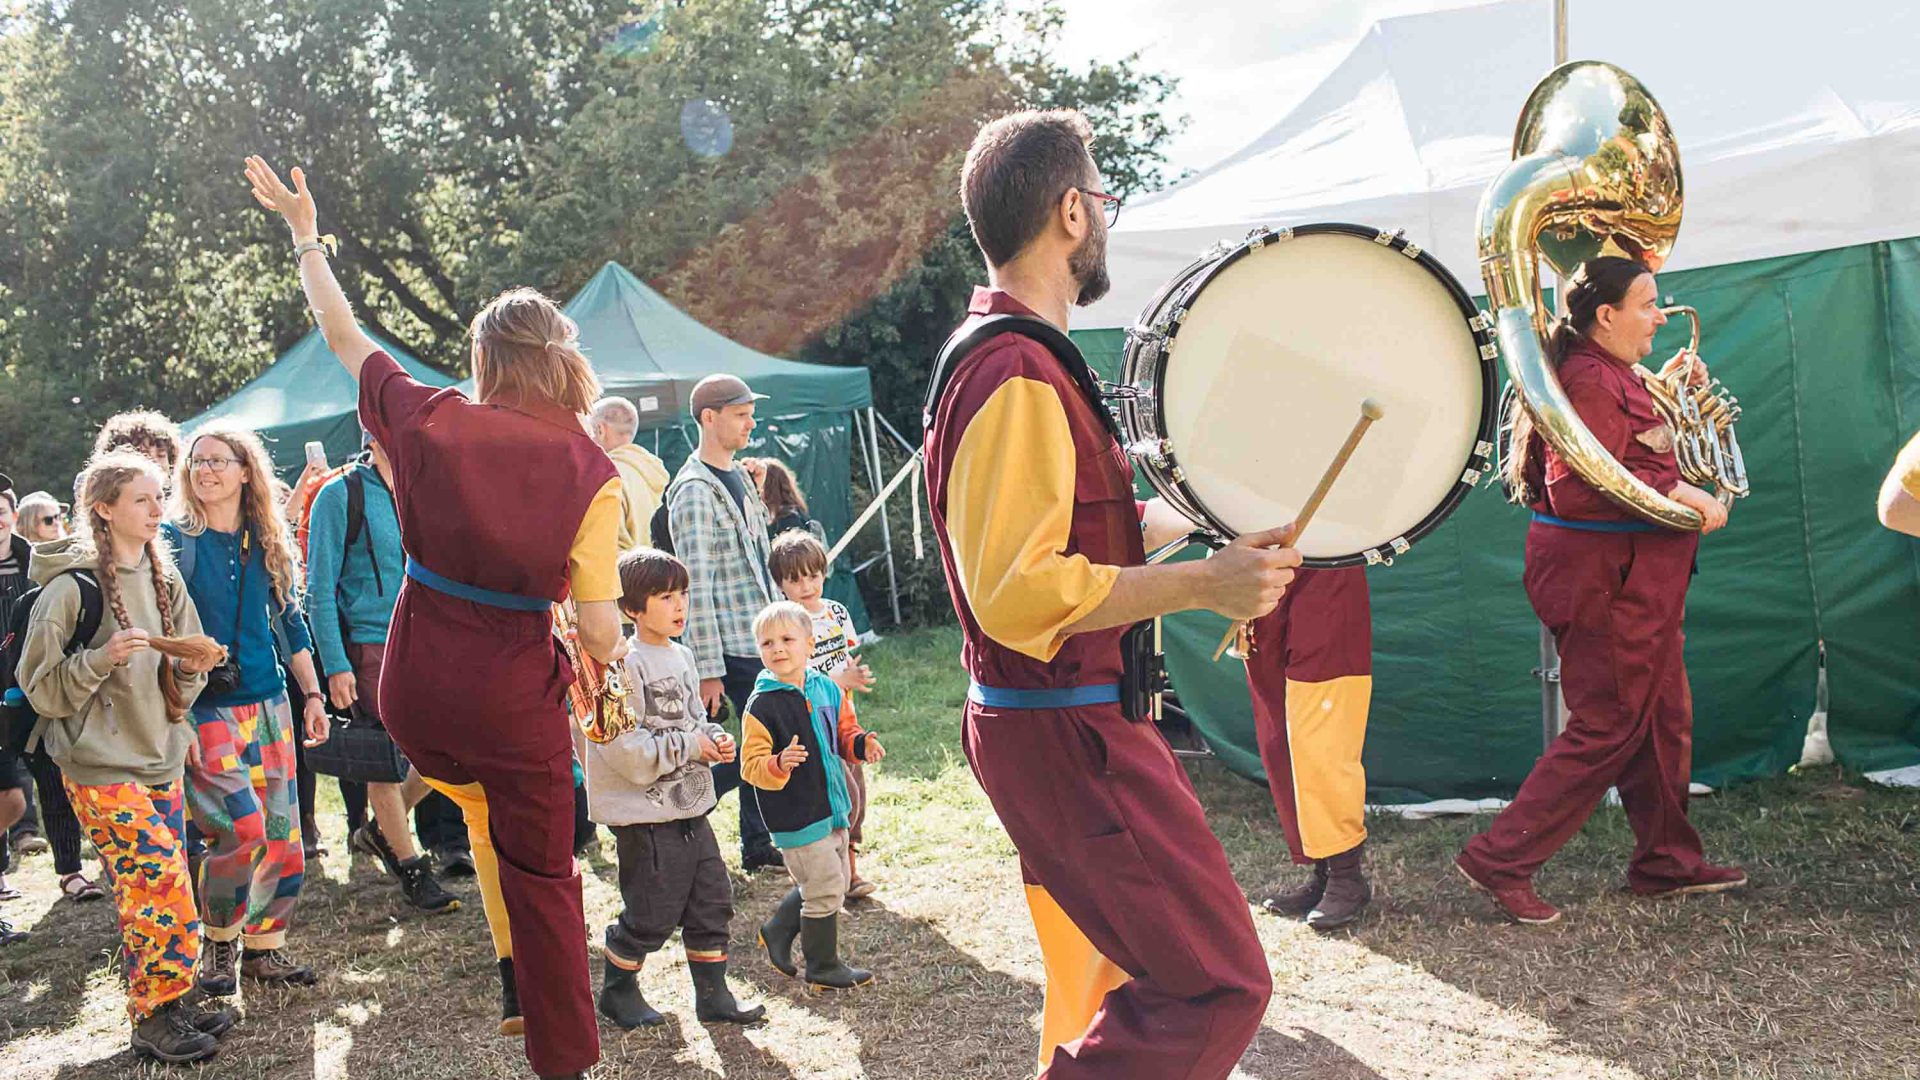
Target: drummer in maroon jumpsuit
column 474, row 678
column 1154, row 969
column 1612, row 588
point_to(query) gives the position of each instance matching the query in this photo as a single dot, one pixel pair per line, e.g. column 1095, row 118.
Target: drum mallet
column 1370, row 410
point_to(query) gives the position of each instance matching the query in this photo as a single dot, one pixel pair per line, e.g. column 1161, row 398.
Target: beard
column 1088, row 264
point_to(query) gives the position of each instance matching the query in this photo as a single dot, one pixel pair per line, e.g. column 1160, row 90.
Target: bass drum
column 1246, row 373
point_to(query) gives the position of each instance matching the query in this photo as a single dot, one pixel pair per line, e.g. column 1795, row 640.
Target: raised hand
column 296, row 205
column 793, row 756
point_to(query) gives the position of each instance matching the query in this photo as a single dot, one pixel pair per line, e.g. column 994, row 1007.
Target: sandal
column 8, row 892
column 77, row 888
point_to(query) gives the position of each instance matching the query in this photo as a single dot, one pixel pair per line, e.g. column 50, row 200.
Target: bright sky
column 1242, row 63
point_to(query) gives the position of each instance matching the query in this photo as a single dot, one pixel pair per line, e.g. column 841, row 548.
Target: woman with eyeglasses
column 236, row 553
column 474, row 680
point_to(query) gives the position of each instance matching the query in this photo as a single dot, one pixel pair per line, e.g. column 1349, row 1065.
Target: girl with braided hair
column 240, row 566
column 112, row 717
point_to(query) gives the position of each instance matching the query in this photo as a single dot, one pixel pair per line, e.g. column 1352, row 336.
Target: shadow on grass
column 1811, row 971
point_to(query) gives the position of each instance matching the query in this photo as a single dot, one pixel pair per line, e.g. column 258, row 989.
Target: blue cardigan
column 216, row 573
column 359, row 589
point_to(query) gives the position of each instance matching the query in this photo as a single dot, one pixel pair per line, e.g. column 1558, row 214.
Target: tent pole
column 872, row 453
column 1553, row 703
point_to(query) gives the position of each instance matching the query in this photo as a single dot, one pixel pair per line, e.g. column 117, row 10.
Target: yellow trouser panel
column 472, row 802
column 1326, row 730
column 1078, row 977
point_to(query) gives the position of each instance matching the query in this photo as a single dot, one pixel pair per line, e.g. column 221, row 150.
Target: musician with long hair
column 237, row 556
column 474, row 678
column 112, row 716
column 1612, row 589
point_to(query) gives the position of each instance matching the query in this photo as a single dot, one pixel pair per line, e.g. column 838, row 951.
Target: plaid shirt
column 726, row 559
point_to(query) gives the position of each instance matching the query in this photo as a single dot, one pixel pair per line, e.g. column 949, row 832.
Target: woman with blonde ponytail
column 111, row 717
column 472, row 680
column 238, row 560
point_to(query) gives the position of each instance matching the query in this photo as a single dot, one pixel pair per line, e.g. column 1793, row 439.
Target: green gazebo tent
column 305, row 395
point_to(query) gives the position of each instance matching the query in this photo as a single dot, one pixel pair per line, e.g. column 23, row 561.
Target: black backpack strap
column 357, row 526
column 966, row 339
column 93, row 604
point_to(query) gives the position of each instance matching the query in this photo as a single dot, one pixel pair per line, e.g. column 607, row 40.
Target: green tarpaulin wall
column 305, row 395
column 1824, row 353
column 645, row 349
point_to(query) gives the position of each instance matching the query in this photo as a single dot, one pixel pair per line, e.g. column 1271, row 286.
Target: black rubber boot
column 1347, row 893
column 510, row 1021
column 620, row 999
column 778, row 932
column 713, row 1000
column 820, row 940
column 1302, row 898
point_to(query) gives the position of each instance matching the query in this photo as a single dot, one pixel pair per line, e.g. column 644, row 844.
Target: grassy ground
column 1811, row 973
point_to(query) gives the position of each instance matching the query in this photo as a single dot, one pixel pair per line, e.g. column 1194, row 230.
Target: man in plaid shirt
column 719, row 530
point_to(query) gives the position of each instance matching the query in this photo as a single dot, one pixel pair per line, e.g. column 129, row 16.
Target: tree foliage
column 458, row 147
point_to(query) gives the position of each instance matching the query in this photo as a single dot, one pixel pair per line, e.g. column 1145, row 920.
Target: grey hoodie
column 104, row 724
column 653, row 774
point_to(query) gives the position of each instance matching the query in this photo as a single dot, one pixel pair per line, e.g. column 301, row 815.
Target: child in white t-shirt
column 799, row 563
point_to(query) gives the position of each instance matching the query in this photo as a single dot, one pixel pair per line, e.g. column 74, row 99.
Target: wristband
column 325, row 245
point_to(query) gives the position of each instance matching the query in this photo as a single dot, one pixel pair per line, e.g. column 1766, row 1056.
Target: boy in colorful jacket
column 795, row 735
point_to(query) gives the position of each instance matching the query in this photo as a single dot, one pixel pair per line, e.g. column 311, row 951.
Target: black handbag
column 361, row 751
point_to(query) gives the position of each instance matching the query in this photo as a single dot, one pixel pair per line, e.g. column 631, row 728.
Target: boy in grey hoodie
column 653, row 787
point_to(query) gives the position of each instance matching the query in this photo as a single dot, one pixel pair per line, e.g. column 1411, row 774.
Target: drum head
column 1264, row 377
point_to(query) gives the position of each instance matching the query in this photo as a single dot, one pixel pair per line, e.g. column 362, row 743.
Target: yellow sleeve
column 1908, row 466
column 592, row 564
column 758, row 766
column 1009, row 514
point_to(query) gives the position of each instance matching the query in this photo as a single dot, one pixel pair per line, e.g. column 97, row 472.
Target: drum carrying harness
column 1143, row 669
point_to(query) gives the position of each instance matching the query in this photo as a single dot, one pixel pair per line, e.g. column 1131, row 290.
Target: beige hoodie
column 643, row 479
column 104, row 724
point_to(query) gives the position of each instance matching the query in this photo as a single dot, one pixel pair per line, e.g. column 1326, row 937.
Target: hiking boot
column 453, row 862
column 1347, row 891
column 369, row 840
column 1710, row 879
column 169, row 1035
column 271, row 966
column 620, row 999
column 1297, row 901
column 510, row 1020
column 820, row 940
column 713, row 1000
column 207, row 1016
column 217, row 965
column 761, row 858
column 1517, row 902
column 423, row 890
column 778, row 932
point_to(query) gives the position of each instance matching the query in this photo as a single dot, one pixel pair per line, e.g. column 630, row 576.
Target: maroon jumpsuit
column 1104, row 818
column 492, row 496
column 1614, row 601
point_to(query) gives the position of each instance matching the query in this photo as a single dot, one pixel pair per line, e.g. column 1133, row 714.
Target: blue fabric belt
column 1063, row 697
column 1596, row 526
column 510, row 601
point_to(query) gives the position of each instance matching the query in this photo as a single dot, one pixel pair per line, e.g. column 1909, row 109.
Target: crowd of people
column 391, row 596
column 184, row 638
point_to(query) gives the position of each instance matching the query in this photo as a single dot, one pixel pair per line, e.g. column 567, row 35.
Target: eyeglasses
column 1109, row 204
column 215, row 465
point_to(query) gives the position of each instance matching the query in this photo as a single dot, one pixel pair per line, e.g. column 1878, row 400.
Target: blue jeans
column 754, row 837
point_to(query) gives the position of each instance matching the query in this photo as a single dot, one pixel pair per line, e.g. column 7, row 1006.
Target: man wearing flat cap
column 719, row 530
